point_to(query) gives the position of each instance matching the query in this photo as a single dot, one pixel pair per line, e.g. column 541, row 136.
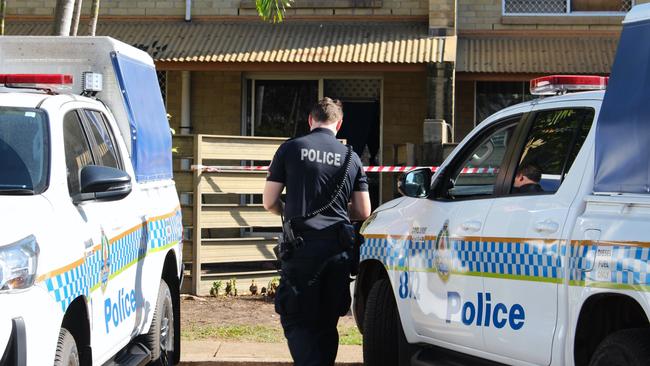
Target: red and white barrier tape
column 367, row 169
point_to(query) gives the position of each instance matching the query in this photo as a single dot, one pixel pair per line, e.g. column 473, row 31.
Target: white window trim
column 568, row 13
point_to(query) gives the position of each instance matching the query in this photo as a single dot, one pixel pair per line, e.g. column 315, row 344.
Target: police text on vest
column 323, row 157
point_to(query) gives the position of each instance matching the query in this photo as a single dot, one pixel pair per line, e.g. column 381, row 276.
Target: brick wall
column 405, row 108
column 212, row 8
column 215, row 100
column 487, row 15
column 442, row 14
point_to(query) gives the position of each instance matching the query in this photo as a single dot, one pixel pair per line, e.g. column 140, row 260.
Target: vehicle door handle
column 547, row 226
column 471, row 226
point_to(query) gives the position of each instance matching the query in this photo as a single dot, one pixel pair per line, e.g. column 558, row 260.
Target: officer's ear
column 338, row 124
column 311, row 121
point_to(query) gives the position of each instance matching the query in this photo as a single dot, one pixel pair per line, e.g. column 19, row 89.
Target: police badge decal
column 106, row 262
column 442, row 256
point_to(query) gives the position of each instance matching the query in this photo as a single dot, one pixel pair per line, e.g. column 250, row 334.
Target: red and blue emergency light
column 560, row 84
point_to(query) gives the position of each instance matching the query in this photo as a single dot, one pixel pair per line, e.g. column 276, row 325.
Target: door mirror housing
column 103, row 183
column 415, row 183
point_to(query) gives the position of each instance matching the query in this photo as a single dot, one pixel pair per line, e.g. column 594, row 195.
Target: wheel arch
column 171, row 277
column 77, row 321
column 612, row 312
column 370, row 271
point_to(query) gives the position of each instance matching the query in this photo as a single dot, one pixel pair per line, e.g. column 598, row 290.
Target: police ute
column 530, row 244
column 90, row 245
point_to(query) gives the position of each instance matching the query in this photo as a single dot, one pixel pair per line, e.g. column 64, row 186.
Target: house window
column 279, row 108
column 493, row 96
column 566, row 7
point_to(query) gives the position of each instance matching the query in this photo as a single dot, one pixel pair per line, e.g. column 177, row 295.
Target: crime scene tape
column 367, row 169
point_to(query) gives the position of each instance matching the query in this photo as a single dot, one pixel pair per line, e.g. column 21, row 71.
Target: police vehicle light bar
column 47, row 82
column 560, row 84
column 35, row 79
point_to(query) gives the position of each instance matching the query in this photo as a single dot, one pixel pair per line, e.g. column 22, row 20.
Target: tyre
column 383, row 338
column 629, row 347
column 160, row 338
column 66, row 350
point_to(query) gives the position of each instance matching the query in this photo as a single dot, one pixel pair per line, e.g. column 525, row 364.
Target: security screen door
column 279, row 108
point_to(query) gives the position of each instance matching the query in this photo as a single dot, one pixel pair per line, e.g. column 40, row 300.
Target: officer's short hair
column 531, row 171
column 327, row 110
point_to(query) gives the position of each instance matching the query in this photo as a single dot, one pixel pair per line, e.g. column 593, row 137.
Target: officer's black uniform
column 314, row 290
column 528, row 188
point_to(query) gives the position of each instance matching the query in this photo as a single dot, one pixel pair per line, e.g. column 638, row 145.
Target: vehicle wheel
column 160, row 338
column 626, row 347
column 383, row 338
column 66, row 350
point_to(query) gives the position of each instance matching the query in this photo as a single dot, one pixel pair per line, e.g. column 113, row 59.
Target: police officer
column 314, row 288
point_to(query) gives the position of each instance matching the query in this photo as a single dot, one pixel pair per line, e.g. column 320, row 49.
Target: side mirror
column 104, row 183
column 415, row 183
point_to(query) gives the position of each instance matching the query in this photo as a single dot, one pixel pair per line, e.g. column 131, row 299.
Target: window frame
column 85, row 136
column 520, row 120
column 527, row 126
column 86, row 123
column 567, row 13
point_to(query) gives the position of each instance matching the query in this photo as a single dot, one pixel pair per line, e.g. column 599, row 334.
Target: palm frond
column 272, row 10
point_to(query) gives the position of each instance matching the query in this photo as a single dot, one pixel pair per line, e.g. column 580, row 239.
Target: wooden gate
column 228, row 232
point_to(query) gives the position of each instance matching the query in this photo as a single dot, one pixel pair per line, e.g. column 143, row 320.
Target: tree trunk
column 63, row 17
column 94, row 14
column 3, row 14
column 75, row 17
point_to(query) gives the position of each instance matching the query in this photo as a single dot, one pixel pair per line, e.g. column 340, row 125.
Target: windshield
column 24, row 151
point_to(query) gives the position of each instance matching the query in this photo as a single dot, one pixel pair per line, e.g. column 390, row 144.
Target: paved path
column 196, row 353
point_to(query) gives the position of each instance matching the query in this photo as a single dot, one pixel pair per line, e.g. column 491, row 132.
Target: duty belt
column 330, row 233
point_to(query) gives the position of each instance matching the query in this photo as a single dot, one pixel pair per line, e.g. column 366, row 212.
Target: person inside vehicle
column 527, row 180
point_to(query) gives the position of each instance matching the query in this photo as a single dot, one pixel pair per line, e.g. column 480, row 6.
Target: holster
column 288, row 242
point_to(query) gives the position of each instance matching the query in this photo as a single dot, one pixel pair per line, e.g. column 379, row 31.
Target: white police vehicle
column 90, row 239
column 465, row 270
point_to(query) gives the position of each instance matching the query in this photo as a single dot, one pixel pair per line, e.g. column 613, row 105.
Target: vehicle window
column 477, row 176
column 554, row 140
column 104, row 149
column 77, row 150
column 24, row 151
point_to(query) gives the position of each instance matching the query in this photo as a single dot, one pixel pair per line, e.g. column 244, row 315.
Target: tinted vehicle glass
column 552, row 145
column 24, row 151
column 77, row 150
column 478, row 174
column 105, row 150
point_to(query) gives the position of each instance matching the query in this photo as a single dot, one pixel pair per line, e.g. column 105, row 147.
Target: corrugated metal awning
column 536, row 54
column 291, row 41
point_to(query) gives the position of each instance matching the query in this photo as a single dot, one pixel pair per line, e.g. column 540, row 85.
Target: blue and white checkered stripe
column 629, row 265
column 67, row 286
column 529, row 258
column 126, row 250
column 389, row 252
column 165, row 231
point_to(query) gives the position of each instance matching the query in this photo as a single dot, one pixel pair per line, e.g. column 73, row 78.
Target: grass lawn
column 348, row 335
